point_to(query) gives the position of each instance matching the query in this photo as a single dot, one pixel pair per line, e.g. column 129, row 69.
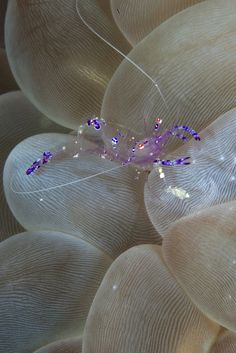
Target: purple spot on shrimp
column 30, row 170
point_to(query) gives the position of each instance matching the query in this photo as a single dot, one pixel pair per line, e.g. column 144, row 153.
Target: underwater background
column 118, row 176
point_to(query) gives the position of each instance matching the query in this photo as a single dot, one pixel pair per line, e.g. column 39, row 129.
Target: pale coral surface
column 97, row 256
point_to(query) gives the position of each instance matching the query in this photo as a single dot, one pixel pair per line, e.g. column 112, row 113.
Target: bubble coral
column 59, row 284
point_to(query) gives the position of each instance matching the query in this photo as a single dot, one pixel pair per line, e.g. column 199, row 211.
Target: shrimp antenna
column 64, row 184
column 121, row 53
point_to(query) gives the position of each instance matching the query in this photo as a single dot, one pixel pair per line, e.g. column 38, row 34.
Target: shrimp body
column 142, row 153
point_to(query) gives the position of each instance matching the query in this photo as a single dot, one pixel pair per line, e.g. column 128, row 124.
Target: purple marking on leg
column 33, row 167
column 47, row 156
column 157, row 161
column 182, row 161
column 157, row 127
column 37, row 164
column 97, row 123
column 30, row 170
column 168, row 162
column 114, row 140
column 189, row 130
column 182, row 137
